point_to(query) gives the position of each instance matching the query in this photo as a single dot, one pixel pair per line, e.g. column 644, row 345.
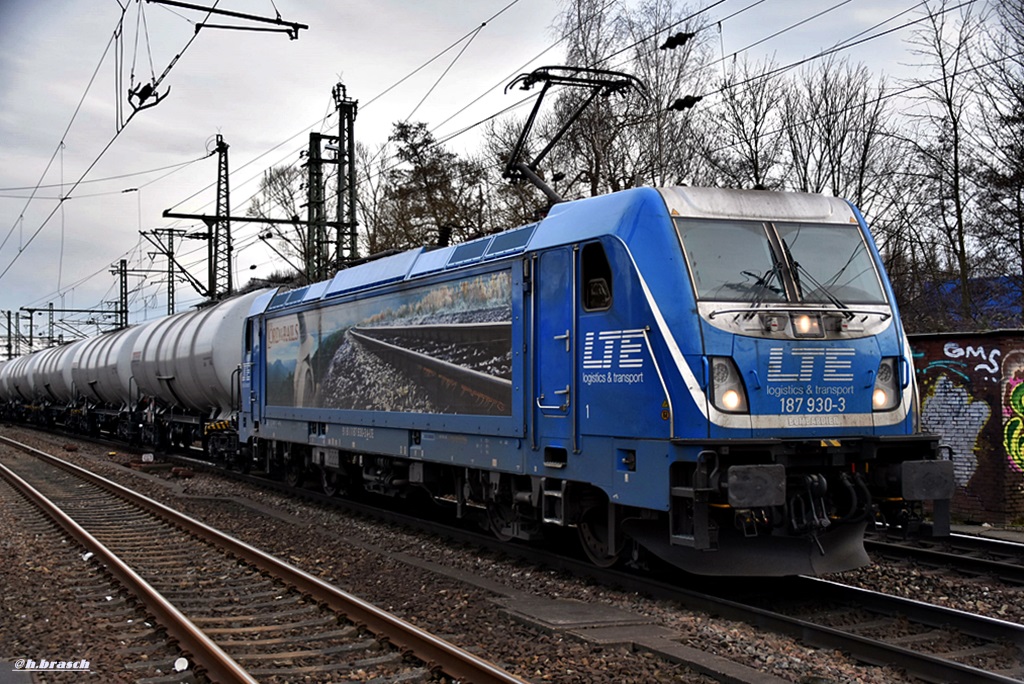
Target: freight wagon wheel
column 593, row 531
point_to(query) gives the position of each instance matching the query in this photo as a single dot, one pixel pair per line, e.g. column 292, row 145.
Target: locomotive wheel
column 330, row 482
column 499, row 517
column 244, row 462
column 593, row 532
column 293, row 475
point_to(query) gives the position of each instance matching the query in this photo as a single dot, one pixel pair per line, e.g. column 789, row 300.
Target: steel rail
column 725, row 601
column 695, row 595
column 924, row 613
column 931, row 667
column 431, row 649
column 955, row 555
column 729, row 605
column 217, row 664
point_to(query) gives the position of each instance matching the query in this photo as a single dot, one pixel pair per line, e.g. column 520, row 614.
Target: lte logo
column 800, row 363
column 613, row 349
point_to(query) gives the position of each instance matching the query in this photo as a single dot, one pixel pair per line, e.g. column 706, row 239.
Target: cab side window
column 596, row 276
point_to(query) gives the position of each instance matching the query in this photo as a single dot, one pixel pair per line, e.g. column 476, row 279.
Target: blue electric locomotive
column 720, row 376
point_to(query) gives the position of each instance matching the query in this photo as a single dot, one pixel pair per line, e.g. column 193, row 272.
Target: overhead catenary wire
column 471, row 34
column 637, row 43
column 319, row 122
column 844, row 45
column 105, row 179
column 447, row 138
column 896, row 93
column 102, row 152
column 63, row 136
column 461, row 131
column 451, row 136
column 499, row 85
column 445, row 72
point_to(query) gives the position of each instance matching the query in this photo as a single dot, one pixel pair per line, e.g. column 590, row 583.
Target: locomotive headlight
column 731, row 400
column 879, row 399
column 807, row 325
column 886, row 395
column 727, row 391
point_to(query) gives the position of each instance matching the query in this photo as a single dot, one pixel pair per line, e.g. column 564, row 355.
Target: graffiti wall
column 444, row 348
column 972, row 396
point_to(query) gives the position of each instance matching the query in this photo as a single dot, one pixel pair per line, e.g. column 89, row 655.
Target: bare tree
column 372, row 170
column 943, row 131
column 432, row 195
column 661, row 144
column 745, row 128
column 836, row 122
column 586, row 156
column 630, row 138
column 281, row 195
column 1001, row 127
column 508, row 204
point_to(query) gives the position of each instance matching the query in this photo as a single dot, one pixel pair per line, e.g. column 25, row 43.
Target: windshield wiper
column 818, row 287
column 798, row 269
column 763, row 284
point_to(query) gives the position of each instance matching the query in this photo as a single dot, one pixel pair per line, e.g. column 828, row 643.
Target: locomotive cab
column 809, row 398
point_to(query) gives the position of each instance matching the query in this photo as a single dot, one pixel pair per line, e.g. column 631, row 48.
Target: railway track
column 966, row 554
column 929, row 642
column 242, row 615
column 933, row 643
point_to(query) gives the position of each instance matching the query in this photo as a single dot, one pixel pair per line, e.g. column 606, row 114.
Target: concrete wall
column 972, row 395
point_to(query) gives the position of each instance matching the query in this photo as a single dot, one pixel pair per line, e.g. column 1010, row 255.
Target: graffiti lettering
column 958, row 418
column 989, row 360
column 1013, row 408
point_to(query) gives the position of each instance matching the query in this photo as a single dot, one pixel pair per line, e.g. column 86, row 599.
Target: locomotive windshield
column 748, row 261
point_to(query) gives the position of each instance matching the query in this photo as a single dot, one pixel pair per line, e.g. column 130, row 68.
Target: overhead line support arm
column 292, row 29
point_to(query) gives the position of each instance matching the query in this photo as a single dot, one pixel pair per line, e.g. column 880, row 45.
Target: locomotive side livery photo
column 719, row 377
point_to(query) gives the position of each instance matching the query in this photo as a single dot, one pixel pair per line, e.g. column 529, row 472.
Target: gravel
column 60, row 604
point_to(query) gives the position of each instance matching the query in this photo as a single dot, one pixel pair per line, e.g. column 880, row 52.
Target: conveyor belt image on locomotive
column 439, row 359
column 718, row 377
column 444, row 358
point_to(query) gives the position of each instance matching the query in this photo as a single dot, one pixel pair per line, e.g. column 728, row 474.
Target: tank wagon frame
column 718, row 376
column 167, row 382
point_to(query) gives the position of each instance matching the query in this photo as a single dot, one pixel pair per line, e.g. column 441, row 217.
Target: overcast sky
column 263, row 92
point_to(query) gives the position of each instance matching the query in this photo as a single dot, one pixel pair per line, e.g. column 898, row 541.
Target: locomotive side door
column 553, row 338
column 251, row 379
